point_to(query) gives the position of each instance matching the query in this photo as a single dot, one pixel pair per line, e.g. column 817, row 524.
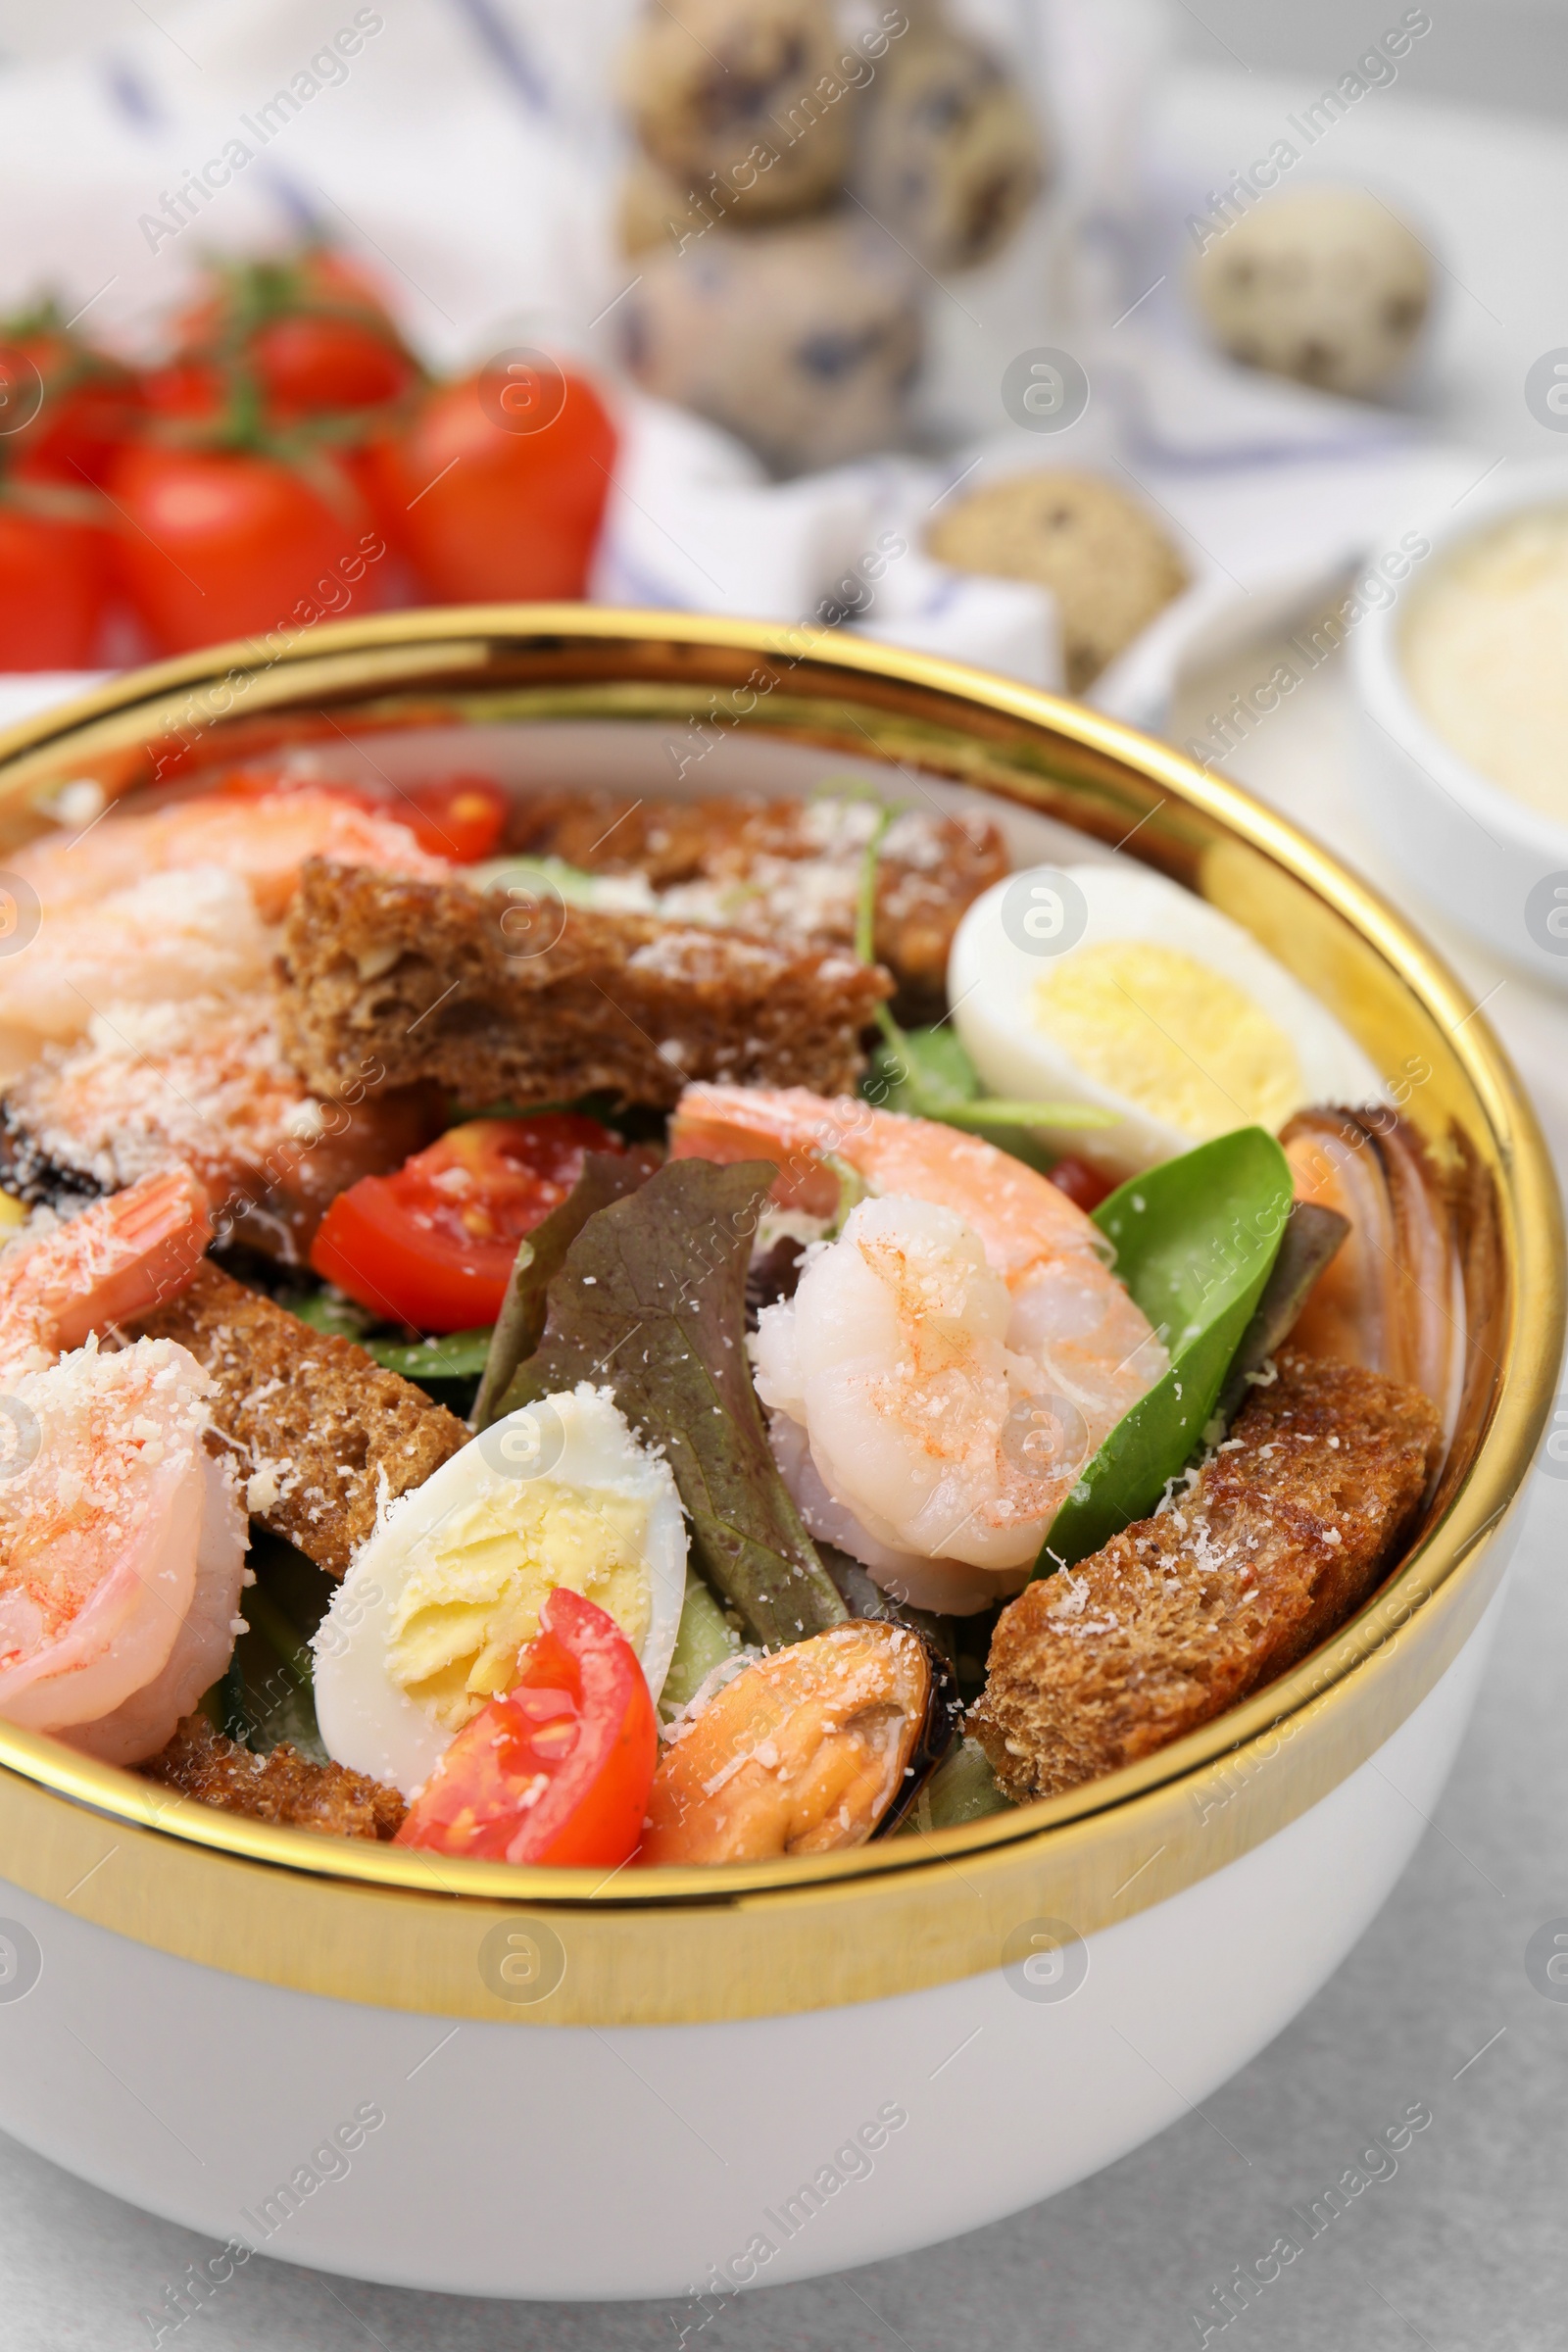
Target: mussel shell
column 943, row 1723
column 940, row 1730
column 1393, row 1301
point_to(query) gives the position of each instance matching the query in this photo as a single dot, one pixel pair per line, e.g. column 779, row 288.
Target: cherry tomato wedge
column 458, row 817
column 1083, row 1185
column 433, row 1245
column 558, row 1770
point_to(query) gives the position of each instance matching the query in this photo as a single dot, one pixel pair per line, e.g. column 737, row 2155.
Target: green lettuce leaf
column 455, row 1355
column 651, row 1300
column 928, row 1074
column 521, row 1325
column 331, row 1311
column 1194, row 1239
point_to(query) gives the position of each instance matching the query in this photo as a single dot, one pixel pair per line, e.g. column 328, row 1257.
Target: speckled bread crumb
column 320, row 1429
column 1181, row 1615
column 284, row 1787
column 536, row 1003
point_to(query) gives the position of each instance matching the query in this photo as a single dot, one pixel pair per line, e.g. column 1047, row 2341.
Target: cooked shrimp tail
column 120, row 1257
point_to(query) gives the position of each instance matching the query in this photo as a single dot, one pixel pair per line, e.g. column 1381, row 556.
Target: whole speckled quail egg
column 952, row 157
column 733, row 96
column 1321, row 283
column 1103, row 557
column 803, row 340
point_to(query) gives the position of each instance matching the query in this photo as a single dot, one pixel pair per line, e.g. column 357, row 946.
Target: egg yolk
column 473, row 1596
column 1166, row 1033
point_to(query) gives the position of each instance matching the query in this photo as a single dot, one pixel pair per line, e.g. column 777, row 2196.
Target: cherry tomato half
column 559, row 1769
column 1083, row 1185
column 484, row 511
column 433, row 1245
column 227, row 543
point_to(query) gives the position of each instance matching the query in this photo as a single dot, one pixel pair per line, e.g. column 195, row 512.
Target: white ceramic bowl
column 1466, row 843
column 679, row 2083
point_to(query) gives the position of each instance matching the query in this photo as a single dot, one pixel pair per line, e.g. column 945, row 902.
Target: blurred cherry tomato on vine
column 311, row 363
column 66, row 408
column 313, row 276
column 51, row 591
column 499, row 509
column 313, row 328
column 191, row 391
column 231, row 542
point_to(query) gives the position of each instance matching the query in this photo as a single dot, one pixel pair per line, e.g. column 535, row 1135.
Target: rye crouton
column 1280, row 1537
column 783, row 869
column 318, row 1428
column 538, row 1003
column 285, row 1786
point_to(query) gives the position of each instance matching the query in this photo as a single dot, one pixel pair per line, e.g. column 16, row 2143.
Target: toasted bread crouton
column 321, row 1430
column 784, row 869
column 534, row 1004
column 285, row 1786
column 1177, row 1618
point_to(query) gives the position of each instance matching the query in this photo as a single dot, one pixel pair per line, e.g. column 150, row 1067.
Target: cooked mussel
column 1393, row 1297
column 808, row 1751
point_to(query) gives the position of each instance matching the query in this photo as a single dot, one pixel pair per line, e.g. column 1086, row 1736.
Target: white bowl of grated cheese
column 1462, row 686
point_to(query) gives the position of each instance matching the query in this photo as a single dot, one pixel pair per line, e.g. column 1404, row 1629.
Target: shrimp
column 176, row 902
column 266, row 841
column 115, row 1260
column 168, row 937
column 205, row 1081
column 122, row 1551
column 945, row 1367
column 122, row 1538
column 1025, row 1222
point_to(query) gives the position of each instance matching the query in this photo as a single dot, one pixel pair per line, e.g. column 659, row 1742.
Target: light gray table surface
column 1466, row 2245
